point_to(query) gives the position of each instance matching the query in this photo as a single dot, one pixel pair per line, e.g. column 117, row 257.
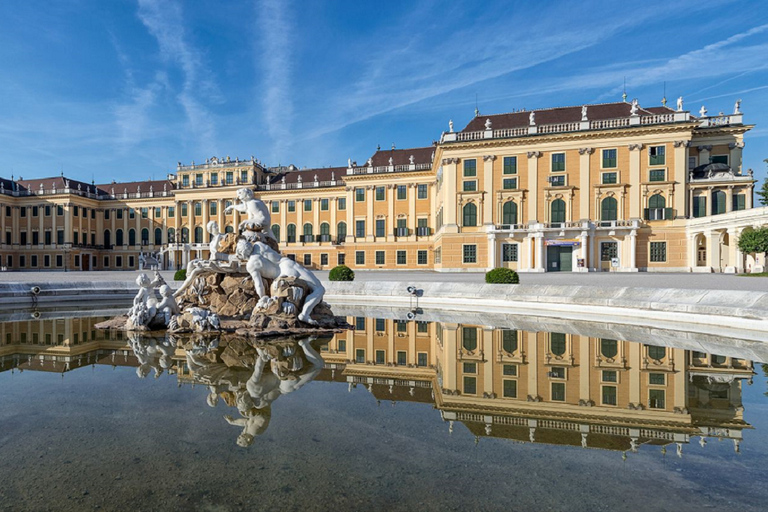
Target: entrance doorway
column 86, row 261
column 559, row 259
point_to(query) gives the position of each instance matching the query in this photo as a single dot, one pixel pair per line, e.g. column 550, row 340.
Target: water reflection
column 529, row 386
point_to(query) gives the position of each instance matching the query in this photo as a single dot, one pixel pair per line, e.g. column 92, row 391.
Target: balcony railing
column 423, row 231
column 402, row 232
column 307, row 238
column 659, row 213
column 324, row 238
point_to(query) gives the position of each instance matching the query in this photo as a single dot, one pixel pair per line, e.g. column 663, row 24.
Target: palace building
column 606, row 187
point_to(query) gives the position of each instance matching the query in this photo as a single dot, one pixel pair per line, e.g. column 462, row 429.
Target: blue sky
column 123, row 90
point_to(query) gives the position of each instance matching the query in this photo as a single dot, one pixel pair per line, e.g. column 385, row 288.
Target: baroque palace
column 605, row 187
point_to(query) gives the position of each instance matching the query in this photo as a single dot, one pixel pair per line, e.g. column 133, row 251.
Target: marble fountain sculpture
column 245, row 286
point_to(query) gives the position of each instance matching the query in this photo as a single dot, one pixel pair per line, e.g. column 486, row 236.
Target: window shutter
column 668, row 215
column 646, row 213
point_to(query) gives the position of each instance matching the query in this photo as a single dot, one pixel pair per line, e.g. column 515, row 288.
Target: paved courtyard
column 652, row 280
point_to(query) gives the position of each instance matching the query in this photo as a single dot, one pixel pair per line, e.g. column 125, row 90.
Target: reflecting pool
column 441, row 412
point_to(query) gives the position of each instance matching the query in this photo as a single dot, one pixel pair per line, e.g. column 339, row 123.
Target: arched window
column 469, row 338
column 119, row 237
column 718, row 202
column 609, row 209
column 557, row 211
column 198, row 235
column 144, row 236
column 657, row 201
column 185, row 235
column 171, row 236
column 557, row 343
column 131, row 237
column 107, row 238
column 657, row 353
column 158, row 236
column 229, row 229
column 509, row 213
column 276, row 231
column 509, row 341
column 470, row 215
column 341, row 231
column 307, row 229
column 325, row 228
column 609, row 348
column 290, row 233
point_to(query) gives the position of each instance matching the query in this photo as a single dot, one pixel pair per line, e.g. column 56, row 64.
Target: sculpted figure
column 680, row 104
column 258, row 214
column 217, row 262
column 264, row 262
column 144, row 303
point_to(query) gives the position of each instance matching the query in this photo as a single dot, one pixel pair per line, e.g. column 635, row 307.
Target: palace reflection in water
column 540, row 387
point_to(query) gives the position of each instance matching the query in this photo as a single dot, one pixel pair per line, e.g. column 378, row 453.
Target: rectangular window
column 510, row 165
column 360, row 257
column 421, row 359
column 381, row 193
column 609, row 178
column 275, row 206
column 131, row 213
column 656, row 155
column 402, row 192
column 48, row 212
column 342, row 346
column 470, row 385
column 421, row 257
column 380, row 355
column 401, row 325
column 59, row 236
column 47, row 260
column 33, row 261
column 35, row 211
column 171, row 212
column 118, row 261
column 380, row 255
column 323, row 260
column 402, row 358
column 359, row 323
column 145, row 213
column 609, row 159
column 185, row 180
column 739, row 202
column 438, row 255
column 106, row 261
column 470, row 367
column 229, row 178
column 381, row 325
column 360, row 229
column 198, row 180
column 508, row 252
column 656, row 398
column 470, row 254
column 422, row 327
column 307, row 260
column 341, row 258
column 557, row 372
column 359, row 195
column 401, row 257
column 699, row 206
column 421, row 191
column 342, row 203
column 610, row 376
column 470, row 167
column 291, row 206
column 470, row 186
column 23, row 211
column 557, row 181
column 658, row 252
column 360, row 355
column 23, row 238
column 8, row 211
column 307, row 205
column 213, row 208
column 198, row 210
column 184, row 209
column 243, row 176
column 59, row 210
column 509, row 183
column 719, row 159
column 324, row 205
column 214, row 179
column 657, row 379
column 510, row 370
column 558, row 162
column 510, row 388
column 608, row 251
column 381, row 228
column 131, row 262
column 657, row 175
column 609, row 395
column 558, row 391
column 59, row 260
column 158, row 212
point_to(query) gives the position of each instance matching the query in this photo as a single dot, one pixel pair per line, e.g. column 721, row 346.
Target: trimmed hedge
column 341, row 273
column 180, row 275
column 502, row 276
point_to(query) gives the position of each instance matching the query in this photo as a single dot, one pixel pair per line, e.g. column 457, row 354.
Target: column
column 412, row 210
column 634, row 374
column 488, row 360
column 2, row 224
column 540, row 253
column 29, row 225
column 493, row 251
column 390, row 191
column 704, row 157
column 67, row 224
column 680, row 382
column 450, row 351
column 529, row 253
column 411, row 355
column 369, row 216
column 41, row 228
column 283, row 221
column 299, row 219
column 533, row 185
column 332, row 205
column 488, row 188
column 713, row 250
column 533, row 364
column 635, row 152
column 316, row 217
column 735, row 156
column 584, row 252
column 205, row 206
column 633, row 251
column 450, row 177
column 584, row 368
column 584, row 182
column 53, row 225
column 729, row 198
column 350, row 211
column 736, row 258
column 391, row 342
column 681, row 176
column 125, row 229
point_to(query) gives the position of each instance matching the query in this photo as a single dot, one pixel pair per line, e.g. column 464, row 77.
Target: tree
column 763, row 191
column 754, row 241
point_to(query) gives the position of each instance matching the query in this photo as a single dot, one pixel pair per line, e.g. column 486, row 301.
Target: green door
column 559, row 259
column 566, row 262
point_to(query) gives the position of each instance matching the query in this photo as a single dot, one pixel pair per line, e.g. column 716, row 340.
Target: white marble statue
column 737, row 107
column 634, row 108
column 680, row 104
column 259, row 218
column 703, row 111
column 216, row 262
column 264, row 262
column 584, row 113
column 450, row 125
column 532, row 118
column 144, row 303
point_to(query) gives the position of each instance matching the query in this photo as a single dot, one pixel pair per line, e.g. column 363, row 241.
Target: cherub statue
column 167, row 307
column 217, row 261
column 259, row 218
column 144, row 303
column 264, row 262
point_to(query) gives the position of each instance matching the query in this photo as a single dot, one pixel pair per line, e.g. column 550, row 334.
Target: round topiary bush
column 180, row 275
column 341, row 273
column 502, row 276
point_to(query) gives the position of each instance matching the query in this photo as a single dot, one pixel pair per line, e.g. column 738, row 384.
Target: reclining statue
column 217, row 261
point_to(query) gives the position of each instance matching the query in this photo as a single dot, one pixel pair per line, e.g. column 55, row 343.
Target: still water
column 530, row 414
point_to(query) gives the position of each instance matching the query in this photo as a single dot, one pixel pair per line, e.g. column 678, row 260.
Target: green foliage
column 180, row 275
column 502, row 276
column 762, row 193
column 341, row 273
column 754, row 240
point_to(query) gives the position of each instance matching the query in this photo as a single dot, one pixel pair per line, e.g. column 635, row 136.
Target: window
column 510, row 370
column 469, row 338
column 131, row 213
column 657, row 353
column 198, row 235
column 699, row 206
column 171, row 212
column 359, row 195
column 656, row 399
column 324, row 259
column 381, row 325
column 359, row 257
column 558, row 392
column 342, row 346
column 609, row 348
column 144, row 213
column 307, row 260
column 509, row 341
column 470, row 167
column 557, row 343
column 510, row 165
column 421, row 191
column 509, row 213
column 719, row 159
column 307, row 205
column 307, row 232
column 421, row 359
column 48, row 212
column 470, row 254
column 557, row 211
column 421, row 258
column 291, row 206
column 60, row 210
column 557, row 372
column 144, row 236
column 610, row 376
column 380, row 257
column 185, row 180
column 422, row 327
column 609, row 159
column 275, row 206
column 609, row 395
column 184, row 209
column 609, row 209
column 438, row 255
column 33, row 261
column 557, row 181
column 359, row 355
column 213, row 208
column 131, row 237
column 359, row 323
column 558, row 162
column 402, row 358
column 657, row 379
column 198, row 209
column 381, row 228
column 341, row 258
column 470, row 385
column 656, row 155
column 657, row 175
column 509, row 183
column 401, row 257
column 229, row 178
column 381, row 193
column 470, row 186
column 290, row 233
column 469, row 214
column 470, row 367
column 60, row 260
column 214, row 179
column 657, row 208
column 609, row 178
column 198, row 180
column 402, row 192
column 718, row 202
column 360, row 229
column 658, row 252
column 171, row 236
column 35, row 213
column 380, row 357
column 341, row 231
column 401, row 325
column 342, row 203
column 739, row 202
column 324, row 205
column 244, row 176
column 185, row 235
column 508, row 252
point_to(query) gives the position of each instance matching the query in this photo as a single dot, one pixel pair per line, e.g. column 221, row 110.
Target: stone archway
column 700, row 242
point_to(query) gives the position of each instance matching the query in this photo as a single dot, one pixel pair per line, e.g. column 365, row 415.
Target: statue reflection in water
column 152, row 353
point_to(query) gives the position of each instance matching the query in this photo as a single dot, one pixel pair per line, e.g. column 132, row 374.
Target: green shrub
column 180, row 275
column 502, row 276
column 341, row 273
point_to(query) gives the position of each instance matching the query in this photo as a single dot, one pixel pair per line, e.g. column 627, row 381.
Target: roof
column 559, row 115
column 403, row 156
column 308, row 175
column 133, row 187
column 54, row 182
